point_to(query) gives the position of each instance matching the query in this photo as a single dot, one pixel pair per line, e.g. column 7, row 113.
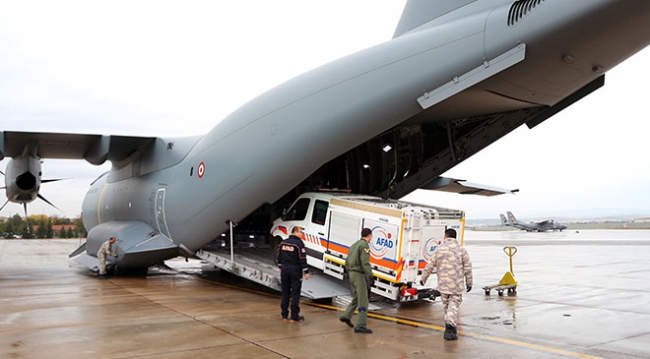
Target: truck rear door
column 384, row 246
column 432, row 237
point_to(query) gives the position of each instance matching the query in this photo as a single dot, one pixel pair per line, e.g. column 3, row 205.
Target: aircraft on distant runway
column 543, row 226
column 457, row 76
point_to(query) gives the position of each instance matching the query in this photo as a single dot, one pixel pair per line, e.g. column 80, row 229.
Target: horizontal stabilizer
column 453, row 185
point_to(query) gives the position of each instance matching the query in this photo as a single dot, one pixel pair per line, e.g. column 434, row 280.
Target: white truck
column 404, row 236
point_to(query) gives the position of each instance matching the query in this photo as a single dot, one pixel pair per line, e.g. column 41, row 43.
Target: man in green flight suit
column 358, row 267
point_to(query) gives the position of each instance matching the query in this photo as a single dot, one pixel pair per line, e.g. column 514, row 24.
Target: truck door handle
column 321, row 233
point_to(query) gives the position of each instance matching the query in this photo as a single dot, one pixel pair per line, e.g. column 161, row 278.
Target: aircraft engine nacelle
column 23, row 179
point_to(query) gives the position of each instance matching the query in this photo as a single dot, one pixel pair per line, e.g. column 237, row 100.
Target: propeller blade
column 48, row 202
column 53, row 180
column 3, row 206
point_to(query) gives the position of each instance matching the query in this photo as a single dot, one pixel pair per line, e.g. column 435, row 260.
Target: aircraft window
column 298, row 211
column 320, row 212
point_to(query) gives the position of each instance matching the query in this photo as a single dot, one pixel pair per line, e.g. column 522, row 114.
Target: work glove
column 114, row 255
column 469, row 289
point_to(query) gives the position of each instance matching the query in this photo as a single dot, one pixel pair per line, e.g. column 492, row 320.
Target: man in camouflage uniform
column 103, row 251
column 358, row 266
column 453, row 265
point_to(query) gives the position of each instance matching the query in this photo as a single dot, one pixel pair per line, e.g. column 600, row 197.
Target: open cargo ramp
column 257, row 265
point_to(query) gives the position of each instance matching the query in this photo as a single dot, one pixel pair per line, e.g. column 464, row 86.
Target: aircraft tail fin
column 419, row 12
column 511, row 217
column 504, row 221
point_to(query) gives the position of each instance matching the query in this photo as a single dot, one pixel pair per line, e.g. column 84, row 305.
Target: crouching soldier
column 105, row 250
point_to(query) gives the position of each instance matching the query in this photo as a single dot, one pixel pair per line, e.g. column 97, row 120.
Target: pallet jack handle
column 510, row 251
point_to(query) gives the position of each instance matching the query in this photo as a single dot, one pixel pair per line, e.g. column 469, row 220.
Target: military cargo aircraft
column 457, row 76
column 542, row 226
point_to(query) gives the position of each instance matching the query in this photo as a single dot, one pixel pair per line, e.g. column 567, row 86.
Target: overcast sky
column 172, row 68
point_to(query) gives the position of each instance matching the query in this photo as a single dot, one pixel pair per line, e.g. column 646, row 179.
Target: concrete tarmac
column 573, row 300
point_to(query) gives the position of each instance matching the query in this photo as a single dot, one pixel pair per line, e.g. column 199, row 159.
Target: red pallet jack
column 508, row 282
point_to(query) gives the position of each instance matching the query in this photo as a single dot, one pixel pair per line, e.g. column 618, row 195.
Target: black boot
column 450, row 332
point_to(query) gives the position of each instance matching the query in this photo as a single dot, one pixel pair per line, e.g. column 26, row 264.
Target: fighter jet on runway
column 457, row 76
column 543, row 226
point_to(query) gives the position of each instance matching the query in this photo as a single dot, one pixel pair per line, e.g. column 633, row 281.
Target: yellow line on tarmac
column 484, row 337
column 426, row 325
column 529, row 345
column 467, row 334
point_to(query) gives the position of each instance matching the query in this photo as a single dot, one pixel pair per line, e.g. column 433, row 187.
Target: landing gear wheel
column 132, row 272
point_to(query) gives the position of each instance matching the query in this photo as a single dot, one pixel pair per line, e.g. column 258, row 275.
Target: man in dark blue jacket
column 292, row 260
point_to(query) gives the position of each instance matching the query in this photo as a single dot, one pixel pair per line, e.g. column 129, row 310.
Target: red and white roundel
column 201, row 170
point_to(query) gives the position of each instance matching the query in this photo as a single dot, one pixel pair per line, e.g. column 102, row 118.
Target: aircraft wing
column 95, row 149
column 453, row 185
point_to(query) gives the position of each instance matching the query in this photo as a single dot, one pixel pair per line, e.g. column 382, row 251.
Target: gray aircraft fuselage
column 188, row 189
column 265, row 148
column 543, row 226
